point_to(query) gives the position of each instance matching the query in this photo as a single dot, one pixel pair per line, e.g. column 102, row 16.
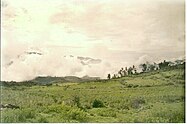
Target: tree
column 130, row 70
column 133, row 67
column 108, row 76
column 114, row 77
column 152, row 67
column 97, row 104
column 120, row 72
column 144, row 67
column 135, row 71
column 76, row 101
column 163, row 64
column 124, row 72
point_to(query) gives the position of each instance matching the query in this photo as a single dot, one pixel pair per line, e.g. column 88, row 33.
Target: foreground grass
column 149, row 97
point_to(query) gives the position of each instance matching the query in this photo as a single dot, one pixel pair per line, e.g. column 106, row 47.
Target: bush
column 19, row 115
column 172, row 116
column 67, row 113
column 66, row 87
column 77, row 114
column 104, row 112
column 76, row 101
column 97, row 104
column 42, row 120
column 129, row 85
column 87, row 106
column 123, row 82
column 136, row 103
column 147, row 86
column 135, row 86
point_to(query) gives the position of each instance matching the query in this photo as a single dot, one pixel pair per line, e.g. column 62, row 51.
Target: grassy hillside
column 148, row 97
column 48, row 80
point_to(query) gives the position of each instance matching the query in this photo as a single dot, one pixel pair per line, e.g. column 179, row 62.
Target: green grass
column 149, row 97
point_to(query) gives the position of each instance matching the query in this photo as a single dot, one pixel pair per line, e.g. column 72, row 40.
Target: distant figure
column 108, row 76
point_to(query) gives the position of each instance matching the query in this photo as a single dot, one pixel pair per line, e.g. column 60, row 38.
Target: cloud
column 145, row 25
column 51, row 63
column 118, row 32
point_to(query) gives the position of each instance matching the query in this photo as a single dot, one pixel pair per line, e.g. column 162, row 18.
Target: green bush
column 18, row 115
column 172, row 116
column 42, row 120
column 77, row 114
column 97, row 104
column 87, row 106
column 67, row 113
column 76, row 101
column 106, row 112
column 136, row 103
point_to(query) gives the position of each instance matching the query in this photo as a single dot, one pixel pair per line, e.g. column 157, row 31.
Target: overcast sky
column 119, row 31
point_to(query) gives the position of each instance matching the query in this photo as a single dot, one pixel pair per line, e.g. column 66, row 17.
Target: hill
column 156, row 96
column 48, row 80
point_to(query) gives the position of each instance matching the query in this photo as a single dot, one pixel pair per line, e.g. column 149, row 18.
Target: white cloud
column 120, row 32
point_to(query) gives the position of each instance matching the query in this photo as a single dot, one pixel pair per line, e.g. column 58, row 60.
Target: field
column 157, row 96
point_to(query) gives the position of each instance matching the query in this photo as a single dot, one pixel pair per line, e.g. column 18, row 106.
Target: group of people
column 123, row 72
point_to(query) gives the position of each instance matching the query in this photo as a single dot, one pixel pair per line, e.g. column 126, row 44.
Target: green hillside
column 48, row 80
column 157, row 96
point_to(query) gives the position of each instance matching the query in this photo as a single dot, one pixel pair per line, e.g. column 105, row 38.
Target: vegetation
column 155, row 96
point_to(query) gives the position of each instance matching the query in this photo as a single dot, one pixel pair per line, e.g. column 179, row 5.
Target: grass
column 148, row 97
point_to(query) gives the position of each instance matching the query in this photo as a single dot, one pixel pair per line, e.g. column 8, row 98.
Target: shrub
column 18, row 115
column 93, row 87
column 123, row 82
column 104, row 112
column 67, row 113
column 172, row 116
column 130, row 85
column 42, row 120
column 76, row 101
column 97, row 104
column 48, row 84
column 87, row 106
column 135, row 86
column 66, row 87
column 136, row 103
column 77, row 114
column 147, row 85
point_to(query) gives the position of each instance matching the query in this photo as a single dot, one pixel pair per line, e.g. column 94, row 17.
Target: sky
column 120, row 32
